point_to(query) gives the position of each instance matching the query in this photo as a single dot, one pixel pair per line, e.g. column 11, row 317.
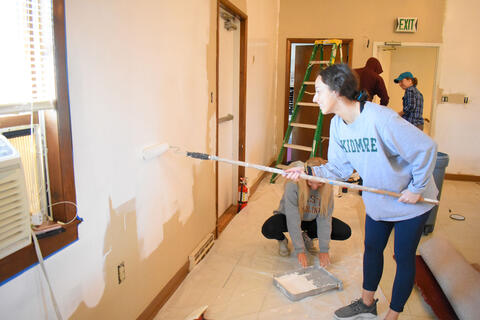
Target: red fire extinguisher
column 242, row 194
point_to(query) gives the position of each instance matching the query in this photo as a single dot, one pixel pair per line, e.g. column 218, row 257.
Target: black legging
column 276, row 225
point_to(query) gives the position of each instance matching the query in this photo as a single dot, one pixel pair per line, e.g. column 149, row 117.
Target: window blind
column 27, row 77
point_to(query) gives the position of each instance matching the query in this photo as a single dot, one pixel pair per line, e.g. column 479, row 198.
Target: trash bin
column 438, row 175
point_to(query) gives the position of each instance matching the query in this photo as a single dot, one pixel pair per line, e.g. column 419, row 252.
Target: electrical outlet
column 121, row 272
column 444, row 99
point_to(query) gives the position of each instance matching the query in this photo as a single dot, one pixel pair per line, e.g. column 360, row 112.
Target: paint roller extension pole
column 204, row 156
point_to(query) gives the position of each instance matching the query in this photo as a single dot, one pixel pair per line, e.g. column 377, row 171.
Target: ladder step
column 320, row 62
column 311, row 104
column 303, row 125
column 309, row 83
column 298, row 147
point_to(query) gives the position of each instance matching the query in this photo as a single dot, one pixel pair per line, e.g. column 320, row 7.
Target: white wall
column 457, row 125
column 141, row 72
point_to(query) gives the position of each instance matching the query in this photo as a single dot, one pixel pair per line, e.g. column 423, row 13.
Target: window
column 27, row 79
column 35, row 111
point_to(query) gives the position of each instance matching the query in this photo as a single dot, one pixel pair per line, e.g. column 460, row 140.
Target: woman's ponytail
column 361, row 96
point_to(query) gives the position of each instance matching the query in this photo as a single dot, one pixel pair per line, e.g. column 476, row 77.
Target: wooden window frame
column 60, row 161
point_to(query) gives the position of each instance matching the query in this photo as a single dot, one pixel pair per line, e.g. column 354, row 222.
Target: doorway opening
column 231, row 108
column 421, row 59
column 299, row 51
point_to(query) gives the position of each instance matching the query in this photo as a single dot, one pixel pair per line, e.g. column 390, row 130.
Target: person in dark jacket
column 370, row 80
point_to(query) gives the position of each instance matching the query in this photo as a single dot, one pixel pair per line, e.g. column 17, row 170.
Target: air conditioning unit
column 14, row 209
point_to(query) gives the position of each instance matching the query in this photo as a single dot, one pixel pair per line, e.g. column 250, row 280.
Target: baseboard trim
column 157, row 303
column 225, row 219
column 462, row 177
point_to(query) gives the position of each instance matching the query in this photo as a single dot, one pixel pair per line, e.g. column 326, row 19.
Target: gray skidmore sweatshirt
column 389, row 154
column 289, row 207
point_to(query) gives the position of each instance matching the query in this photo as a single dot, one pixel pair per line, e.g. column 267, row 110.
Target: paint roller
column 157, row 150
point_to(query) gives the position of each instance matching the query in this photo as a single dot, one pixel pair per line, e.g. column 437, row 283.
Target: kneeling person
column 305, row 211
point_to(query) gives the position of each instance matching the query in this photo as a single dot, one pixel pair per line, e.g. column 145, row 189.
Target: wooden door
column 228, row 111
column 307, row 114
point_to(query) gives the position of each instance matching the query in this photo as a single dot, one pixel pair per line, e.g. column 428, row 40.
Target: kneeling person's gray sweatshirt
column 289, row 208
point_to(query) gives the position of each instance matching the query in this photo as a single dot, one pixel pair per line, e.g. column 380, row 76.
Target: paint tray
column 305, row 282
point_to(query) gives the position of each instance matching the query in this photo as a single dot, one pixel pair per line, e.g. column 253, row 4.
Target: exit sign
column 405, row 24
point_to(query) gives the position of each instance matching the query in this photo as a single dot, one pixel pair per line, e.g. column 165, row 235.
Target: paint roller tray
column 305, row 282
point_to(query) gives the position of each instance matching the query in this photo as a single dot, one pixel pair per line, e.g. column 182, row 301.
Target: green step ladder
column 316, row 144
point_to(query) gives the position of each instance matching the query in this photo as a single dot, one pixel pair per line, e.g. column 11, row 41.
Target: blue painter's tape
column 36, row 263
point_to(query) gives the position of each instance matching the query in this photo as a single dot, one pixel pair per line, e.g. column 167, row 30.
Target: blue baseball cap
column 403, row 76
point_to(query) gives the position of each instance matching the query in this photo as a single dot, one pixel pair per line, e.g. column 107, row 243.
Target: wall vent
column 201, row 250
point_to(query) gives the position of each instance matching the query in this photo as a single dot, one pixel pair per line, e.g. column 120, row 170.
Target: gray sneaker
column 309, row 243
column 357, row 310
column 283, row 247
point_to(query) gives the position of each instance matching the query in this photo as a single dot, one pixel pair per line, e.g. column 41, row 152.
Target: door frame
column 231, row 8
column 436, row 81
column 290, row 41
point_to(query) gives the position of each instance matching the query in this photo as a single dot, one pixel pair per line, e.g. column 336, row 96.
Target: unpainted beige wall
column 358, row 20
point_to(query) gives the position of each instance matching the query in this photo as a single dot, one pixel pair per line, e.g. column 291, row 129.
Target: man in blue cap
column 412, row 99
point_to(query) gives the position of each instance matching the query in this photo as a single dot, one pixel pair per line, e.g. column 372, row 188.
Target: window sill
column 18, row 262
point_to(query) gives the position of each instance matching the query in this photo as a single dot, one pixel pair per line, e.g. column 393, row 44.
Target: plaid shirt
column 413, row 105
